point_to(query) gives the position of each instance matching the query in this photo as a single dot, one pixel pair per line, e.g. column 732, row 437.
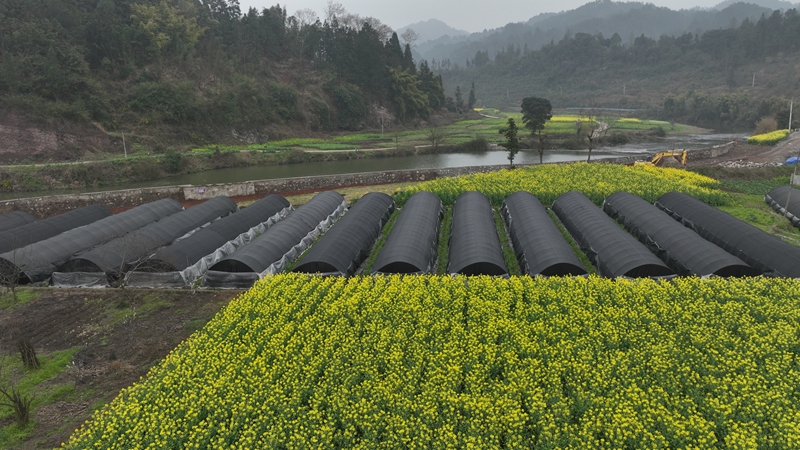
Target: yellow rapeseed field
column 771, row 138
column 451, row 362
column 597, row 181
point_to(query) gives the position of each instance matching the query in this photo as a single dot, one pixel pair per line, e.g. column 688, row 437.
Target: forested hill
column 202, row 70
column 724, row 78
column 628, row 19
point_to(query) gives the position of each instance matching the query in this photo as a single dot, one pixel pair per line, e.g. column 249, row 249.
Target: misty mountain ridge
column 628, row 19
column 771, row 4
column 431, row 29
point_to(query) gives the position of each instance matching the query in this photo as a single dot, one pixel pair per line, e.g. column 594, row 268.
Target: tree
column 410, row 36
column 512, row 141
column 12, row 397
column 167, row 28
column 592, row 129
column 409, row 101
column 408, row 60
column 471, row 101
column 536, row 112
column 459, row 99
column 383, row 115
column 436, row 134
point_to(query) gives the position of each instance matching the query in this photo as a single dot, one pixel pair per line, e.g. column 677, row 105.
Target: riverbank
column 120, row 200
column 150, row 168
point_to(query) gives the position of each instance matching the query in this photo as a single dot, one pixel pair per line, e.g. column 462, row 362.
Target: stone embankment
column 48, row 206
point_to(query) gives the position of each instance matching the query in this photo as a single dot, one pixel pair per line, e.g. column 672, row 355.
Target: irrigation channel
column 431, row 161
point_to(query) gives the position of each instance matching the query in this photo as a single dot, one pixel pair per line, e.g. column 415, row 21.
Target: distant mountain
column 628, row 19
column 771, row 4
column 432, row 29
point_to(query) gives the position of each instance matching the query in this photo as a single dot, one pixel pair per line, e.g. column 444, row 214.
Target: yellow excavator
column 662, row 159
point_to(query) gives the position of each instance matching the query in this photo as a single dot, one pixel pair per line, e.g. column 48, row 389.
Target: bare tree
column 383, row 30
column 436, row 134
column 334, row 10
column 591, row 128
column 410, row 36
column 11, row 396
column 306, row 17
column 383, row 115
column 28, row 354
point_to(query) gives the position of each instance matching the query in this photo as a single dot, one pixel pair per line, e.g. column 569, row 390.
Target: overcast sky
column 469, row 15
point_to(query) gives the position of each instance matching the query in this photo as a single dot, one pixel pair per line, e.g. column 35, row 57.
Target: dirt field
column 756, row 154
column 116, row 336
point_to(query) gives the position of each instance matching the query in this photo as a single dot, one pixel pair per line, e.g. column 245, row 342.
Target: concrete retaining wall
column 711, row 152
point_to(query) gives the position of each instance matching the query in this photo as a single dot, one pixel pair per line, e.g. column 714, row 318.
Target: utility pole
column 124, row 147
column 754, row 79
column 794, row 175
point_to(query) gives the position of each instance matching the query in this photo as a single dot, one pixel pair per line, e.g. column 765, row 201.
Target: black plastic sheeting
column 614, row 252
column 257, row 256
column 682, row 249
column 411, row 247
column 538, row 244
column 15, row 219
column 348, row 243
column 475, row 247
column 206, row 241
column 34, row 263
column 777, row 199
column 52, row 226
column 755, row 247
column 118, row 255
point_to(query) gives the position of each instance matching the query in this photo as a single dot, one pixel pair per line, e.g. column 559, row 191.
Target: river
column 434, row 161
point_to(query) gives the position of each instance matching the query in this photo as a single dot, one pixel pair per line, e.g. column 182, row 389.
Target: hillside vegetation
column 200, row 71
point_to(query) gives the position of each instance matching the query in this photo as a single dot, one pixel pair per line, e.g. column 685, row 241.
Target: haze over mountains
column 440, row 42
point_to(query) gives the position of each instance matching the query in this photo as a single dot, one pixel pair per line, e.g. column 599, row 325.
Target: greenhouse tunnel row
column 757, row 248
column 32, row 232
column 411, row 246
column 160, row 244
column 474, row 246
column 36, row 262
column 279, row 245
column 15, row 219
column 348, row 243
column 613, row 252
column 785, row 200
column 684, row 251
column 116, row 257
column 538, row 244
column 186, row 260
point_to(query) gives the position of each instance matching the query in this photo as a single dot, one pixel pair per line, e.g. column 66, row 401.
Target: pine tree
column 408, row 60
column 512, row 141
column 471, row 101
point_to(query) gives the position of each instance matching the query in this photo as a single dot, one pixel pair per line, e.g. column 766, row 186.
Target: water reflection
column 438, row 161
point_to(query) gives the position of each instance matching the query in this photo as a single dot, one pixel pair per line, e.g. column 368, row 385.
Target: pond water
column 436, row 161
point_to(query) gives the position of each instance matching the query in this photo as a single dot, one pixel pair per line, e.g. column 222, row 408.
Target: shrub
column 766, row 125
column 617, row 139
column 172, row 161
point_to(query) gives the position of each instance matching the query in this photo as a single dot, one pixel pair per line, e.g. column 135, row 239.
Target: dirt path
column 747, row 155
column 782, row 151
column 119, row 336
